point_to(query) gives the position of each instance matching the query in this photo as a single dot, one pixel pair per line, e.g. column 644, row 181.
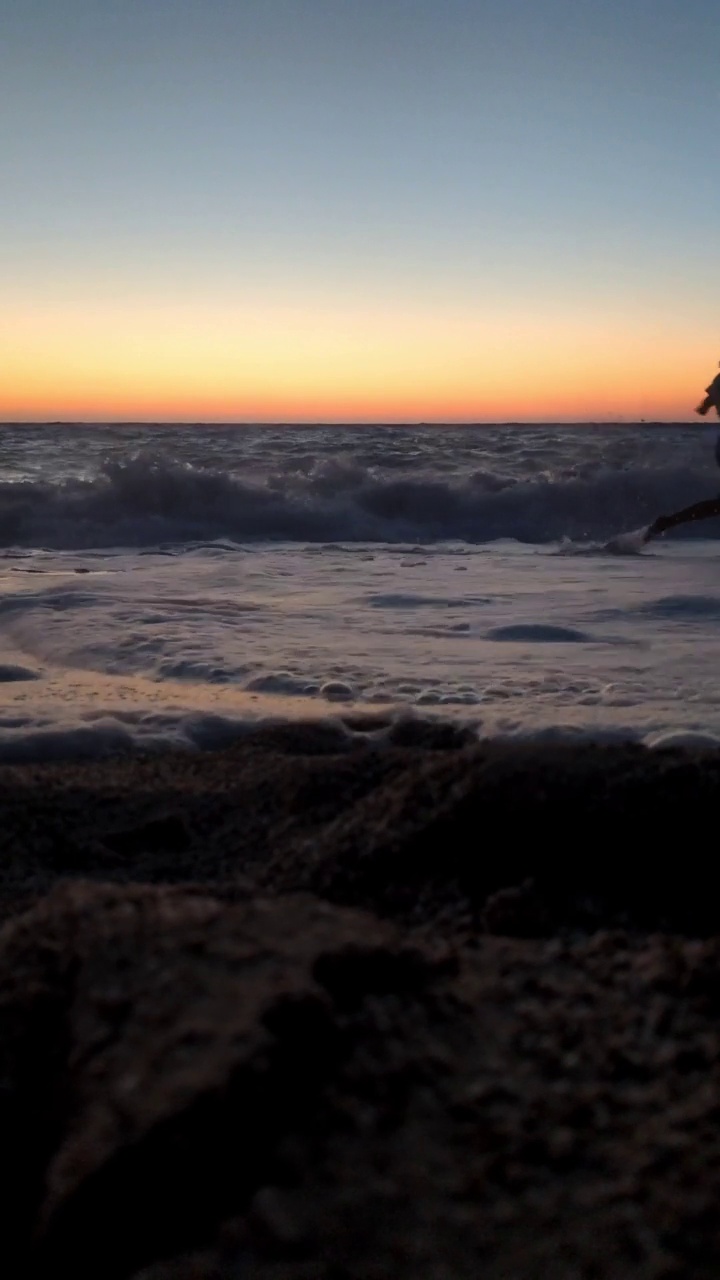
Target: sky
column 358, row 210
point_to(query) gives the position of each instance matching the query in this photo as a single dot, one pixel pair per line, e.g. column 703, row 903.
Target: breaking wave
column 147, row 500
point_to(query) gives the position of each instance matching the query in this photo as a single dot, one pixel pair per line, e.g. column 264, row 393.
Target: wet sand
column 324, row 1005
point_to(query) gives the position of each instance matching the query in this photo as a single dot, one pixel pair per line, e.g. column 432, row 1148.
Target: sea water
column 167, row 586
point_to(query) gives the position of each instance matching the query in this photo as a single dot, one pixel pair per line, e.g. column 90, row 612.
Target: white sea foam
column 628, row 544
column 153, row 603
column 151, row 500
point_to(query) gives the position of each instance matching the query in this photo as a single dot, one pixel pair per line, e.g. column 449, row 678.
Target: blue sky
column 552, row 155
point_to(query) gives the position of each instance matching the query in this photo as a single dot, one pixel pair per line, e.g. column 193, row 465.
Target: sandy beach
column 319, row 1007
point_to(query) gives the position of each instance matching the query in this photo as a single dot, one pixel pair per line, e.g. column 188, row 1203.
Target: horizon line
column 357, row 422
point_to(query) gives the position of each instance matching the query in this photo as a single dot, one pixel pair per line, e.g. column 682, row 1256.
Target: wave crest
column 149, row 499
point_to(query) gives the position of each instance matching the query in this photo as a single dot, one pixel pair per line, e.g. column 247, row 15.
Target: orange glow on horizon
column 289, row 364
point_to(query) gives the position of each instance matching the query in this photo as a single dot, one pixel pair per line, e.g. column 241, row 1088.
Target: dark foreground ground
column 315, row 1010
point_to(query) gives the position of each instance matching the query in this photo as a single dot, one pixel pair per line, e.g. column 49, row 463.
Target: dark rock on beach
column 361, row 1004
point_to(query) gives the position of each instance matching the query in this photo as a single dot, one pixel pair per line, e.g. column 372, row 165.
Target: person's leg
column 699, row 511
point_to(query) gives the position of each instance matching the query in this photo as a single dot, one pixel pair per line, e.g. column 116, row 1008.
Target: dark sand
column 319, row 1009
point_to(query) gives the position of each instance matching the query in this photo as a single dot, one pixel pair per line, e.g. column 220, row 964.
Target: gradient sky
column 358, row 209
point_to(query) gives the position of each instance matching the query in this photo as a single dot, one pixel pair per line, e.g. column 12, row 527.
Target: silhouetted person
column 699, row 510
column 712, row 397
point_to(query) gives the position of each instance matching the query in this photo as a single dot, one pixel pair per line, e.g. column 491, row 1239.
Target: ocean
column 169, row 586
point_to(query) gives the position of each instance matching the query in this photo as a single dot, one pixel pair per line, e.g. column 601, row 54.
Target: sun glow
column 290, row 363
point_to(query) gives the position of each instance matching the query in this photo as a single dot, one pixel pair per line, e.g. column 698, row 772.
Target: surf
column 151, row 499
